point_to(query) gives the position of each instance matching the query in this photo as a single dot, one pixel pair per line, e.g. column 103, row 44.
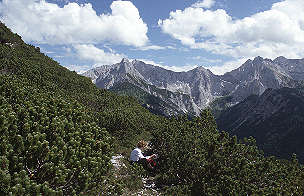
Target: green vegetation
column 59, row 131
column 49, row 145
column 68, row 117
column 196, row 158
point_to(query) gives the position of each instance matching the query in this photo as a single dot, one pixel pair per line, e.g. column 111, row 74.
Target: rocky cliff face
column 275, row 119
column 255, row 76
column 194, row 90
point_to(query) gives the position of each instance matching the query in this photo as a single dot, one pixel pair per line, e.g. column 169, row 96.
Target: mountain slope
column 53, row 140
column 293, row 67
column 255, row 76
column 38, row 70
column 200, row 85
column 49, row 143
column 78, row 125
column 275, row 119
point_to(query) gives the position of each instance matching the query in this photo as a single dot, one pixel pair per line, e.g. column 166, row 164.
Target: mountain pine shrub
column 48, row 145
column 196, row 159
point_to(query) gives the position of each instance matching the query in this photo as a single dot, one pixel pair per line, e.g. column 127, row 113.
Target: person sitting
column 138, row 157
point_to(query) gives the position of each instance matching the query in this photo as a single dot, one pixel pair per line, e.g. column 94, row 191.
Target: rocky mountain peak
column 124, row 61
column 203, row 70
column 127, row 67
column 248, row 61
column 259, row 62
column 258, row 59
column 199, row 87
column 280, row 59
column 256, row 64
column 135, row 61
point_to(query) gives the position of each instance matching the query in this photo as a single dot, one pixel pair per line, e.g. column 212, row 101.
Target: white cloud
column 227, row 66
column 58, row 56
column 204, row 4
column 275, row 32
column 172, row 68
column 47, row 52
column 68, row 50
column 43, row 22
column 171, row 47
column 179, row 68
column 154, row 47
column 98, row 56
column 151, row 47
column 204, row 59
column 217, row 70
column 79, row 68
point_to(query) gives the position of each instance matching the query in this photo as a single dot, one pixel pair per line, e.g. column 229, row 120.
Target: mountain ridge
column 200, row 84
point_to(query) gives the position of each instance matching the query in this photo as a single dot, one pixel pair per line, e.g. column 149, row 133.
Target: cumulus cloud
column 275, row 32
column 204, row 4
column 98, row 56
column 43, row 22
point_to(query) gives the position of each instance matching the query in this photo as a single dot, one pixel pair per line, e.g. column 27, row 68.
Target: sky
column 175, row 34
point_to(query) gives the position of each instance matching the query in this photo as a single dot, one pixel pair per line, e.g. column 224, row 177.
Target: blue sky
column 175, row 34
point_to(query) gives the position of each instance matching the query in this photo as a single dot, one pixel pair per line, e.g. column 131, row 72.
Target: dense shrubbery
column 53, row 141
column 56, row 118
column 49, row 145
column 45, row 74
column 196, row 158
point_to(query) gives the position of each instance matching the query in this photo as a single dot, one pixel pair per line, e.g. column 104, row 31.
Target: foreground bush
column 59, row 116
column 49, row 145
column 196, row 159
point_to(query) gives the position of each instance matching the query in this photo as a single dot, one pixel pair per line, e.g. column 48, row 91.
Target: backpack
column 151, row 163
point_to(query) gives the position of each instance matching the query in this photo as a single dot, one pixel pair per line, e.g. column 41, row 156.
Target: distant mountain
column 194, row 90
column 275, row 119
column 255, row 76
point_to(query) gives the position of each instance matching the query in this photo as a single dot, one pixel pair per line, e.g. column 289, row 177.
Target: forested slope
column 27, row 63
column 58, row 133
column 77, row 124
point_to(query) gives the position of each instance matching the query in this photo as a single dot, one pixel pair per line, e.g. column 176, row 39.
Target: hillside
column 27, row 63
column 59, row 131
column 275, row 119
column 42, row 83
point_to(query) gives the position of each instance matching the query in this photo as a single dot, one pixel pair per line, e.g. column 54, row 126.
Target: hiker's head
column 141, row 144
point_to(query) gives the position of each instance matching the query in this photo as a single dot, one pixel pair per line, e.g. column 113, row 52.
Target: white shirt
column 136, row 154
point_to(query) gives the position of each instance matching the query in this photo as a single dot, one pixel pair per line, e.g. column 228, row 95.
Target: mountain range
column 262, row 98
column 169, row 93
